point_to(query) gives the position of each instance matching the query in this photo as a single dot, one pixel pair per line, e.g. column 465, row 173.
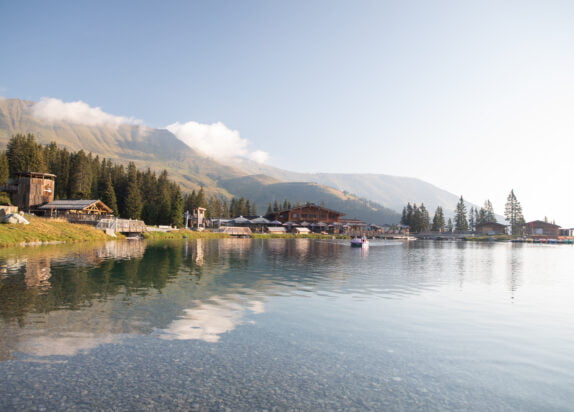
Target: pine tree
column 415, row 219
column 4, row 169
column 460, row 221
column 404, row 220
column 25, row 155
column 409, row 215
column 471, row 221
column 176, row 212
column 164, row 199
column 449, row 225
column 80, row 176
column 133, row 200
column 486, row 214
column 438, row 220
column 107, row 193
column 513, row 214
column 200, row 199
column 425, row 218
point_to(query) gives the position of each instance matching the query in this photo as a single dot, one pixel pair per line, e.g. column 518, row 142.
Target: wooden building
column 29, row 190
column 310, row 213
column 77, row 210
column 540, row 228
column 490, row 228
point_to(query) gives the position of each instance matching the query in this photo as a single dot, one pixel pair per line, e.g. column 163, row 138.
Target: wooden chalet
column 491, row 228
column 540, row 228
column 77, row 210
column 29, row 190
column 309, row 213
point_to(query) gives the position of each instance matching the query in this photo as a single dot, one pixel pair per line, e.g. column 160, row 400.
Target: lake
column 279, row 324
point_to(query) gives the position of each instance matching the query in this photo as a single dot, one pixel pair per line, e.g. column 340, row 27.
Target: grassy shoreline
column 191, row 234
column 50, row 231
column 45, row 231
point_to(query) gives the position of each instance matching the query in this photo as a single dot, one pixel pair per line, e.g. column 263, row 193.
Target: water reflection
column 263, row 324
column 207, row 321
column 62, row 300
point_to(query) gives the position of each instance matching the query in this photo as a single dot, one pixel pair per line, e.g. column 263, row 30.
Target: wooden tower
column 34, row 189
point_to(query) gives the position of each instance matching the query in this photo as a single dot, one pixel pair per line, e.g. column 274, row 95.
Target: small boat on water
column 360, row 242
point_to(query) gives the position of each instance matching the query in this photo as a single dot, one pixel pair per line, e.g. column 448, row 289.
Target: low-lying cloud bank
column 54, row 110
column 216, row 140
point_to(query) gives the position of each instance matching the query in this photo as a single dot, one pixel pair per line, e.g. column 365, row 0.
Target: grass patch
column 47, row 230
column 494, row 238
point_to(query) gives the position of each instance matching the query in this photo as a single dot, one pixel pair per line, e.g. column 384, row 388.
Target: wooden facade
column 491, row 228
column 33, row 189
column 88, row 210
column 540, row 228
column 309, row 213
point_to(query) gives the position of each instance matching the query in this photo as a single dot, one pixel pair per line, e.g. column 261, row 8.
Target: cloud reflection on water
column 208, row 321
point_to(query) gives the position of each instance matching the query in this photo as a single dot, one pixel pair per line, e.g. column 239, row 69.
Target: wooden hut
column 77, row 210
column 491, row 228
column 540, row 228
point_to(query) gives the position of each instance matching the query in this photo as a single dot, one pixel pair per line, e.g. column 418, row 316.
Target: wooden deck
column 122, row 225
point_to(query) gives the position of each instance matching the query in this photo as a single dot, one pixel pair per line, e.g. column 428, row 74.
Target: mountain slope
column 392, row 191
column 147, row 147
column 160, row 149
column 264, row 190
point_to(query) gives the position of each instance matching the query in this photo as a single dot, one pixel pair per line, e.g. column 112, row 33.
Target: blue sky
column 474, row 97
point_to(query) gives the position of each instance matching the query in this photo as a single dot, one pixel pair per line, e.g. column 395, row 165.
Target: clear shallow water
column 287, row 324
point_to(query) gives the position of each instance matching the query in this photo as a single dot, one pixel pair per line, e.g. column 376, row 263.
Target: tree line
column 418, row 218
column 219, row 207
column 129, row 192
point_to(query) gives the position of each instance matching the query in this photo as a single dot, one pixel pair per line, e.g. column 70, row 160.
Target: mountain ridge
column 364, row 196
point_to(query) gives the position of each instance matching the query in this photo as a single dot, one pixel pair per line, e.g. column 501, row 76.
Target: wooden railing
column 122, row 225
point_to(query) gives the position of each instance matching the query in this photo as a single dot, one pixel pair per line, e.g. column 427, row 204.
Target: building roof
column 540, row 222
column 490, row 224
column 67, row 204
column 36, row 174
column 309, row 205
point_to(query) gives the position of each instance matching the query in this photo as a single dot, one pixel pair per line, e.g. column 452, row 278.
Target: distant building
column 491, row 228
column 278, row 230
column 310, row 213
column 567, row 232
column 198, row 218
column 540, row 228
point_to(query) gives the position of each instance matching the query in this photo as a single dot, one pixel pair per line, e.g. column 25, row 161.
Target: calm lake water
column 287, row 324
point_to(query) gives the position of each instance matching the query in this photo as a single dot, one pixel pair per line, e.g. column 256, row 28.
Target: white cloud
column 215, row 140
column 259, row 156
column 208, row 321
column 54, row 110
